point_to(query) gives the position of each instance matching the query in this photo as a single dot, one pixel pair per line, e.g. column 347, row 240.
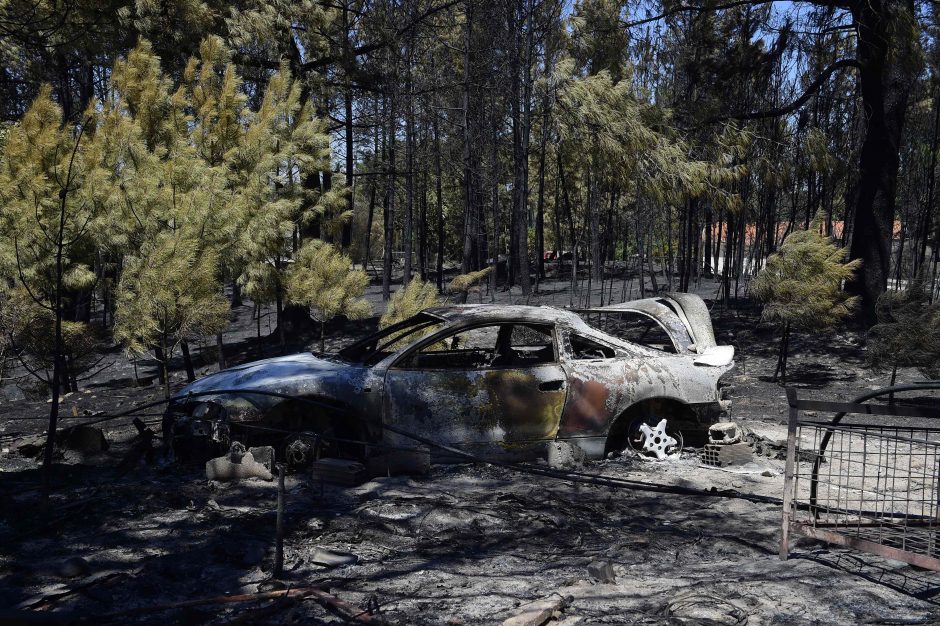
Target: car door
column 489, row 386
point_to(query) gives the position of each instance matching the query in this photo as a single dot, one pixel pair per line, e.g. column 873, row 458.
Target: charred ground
column 467, row 544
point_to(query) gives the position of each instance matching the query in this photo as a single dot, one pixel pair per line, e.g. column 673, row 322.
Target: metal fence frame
column 834, row 532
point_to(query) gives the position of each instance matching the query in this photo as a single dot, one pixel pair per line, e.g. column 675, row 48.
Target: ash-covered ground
column 468, row 544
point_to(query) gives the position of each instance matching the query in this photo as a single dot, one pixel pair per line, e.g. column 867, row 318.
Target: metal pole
column 788, row 473
column 279, row 529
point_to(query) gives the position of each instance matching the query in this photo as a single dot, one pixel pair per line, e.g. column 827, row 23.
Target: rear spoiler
column 716, row 356
column 676, row 311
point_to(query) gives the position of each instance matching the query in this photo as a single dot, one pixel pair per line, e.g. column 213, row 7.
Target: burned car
column 494, row 380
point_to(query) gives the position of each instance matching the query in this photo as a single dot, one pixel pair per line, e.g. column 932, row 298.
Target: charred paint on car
column 497, row 380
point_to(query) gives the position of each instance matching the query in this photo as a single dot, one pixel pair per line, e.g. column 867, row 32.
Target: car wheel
column 654, row 437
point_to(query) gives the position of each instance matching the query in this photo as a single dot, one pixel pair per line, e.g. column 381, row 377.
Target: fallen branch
column 42, row 602
column 538, row 612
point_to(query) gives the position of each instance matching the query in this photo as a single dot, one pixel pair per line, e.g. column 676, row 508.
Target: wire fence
column 871, row 486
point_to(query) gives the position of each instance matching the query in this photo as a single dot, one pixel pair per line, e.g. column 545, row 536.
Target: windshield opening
column 377, row 346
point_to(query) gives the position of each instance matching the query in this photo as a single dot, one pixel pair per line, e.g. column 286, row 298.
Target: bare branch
column 687, row 8
column 796, row 104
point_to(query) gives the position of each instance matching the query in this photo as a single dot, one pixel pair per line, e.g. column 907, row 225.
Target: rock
column 74, row 567
column 30, row 448
column 602, row 571
column 84, row 439
column 333, row 558
column 538, row 612
column 236, row 465
column 563, row 455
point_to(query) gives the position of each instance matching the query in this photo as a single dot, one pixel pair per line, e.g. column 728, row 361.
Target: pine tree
column 168, row 294
column 193, row 165
column 908, row 331
column 322, row 278
column 801, row 288
column 163, row 182
column 283, row 143
column 45, row 221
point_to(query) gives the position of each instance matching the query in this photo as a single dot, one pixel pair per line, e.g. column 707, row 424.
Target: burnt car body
column 495, row 380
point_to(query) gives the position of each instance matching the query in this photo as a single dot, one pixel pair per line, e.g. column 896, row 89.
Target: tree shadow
column 813, row 375
column 906, row 579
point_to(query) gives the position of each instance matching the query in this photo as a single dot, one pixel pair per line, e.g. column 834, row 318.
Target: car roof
column 457, row 313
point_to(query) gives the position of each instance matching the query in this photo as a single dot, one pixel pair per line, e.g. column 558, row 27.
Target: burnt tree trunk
column 521, row 113
column 408, row 229
column 346, row 236
column 389, row 204
column 470, row 162
column 887, row 53
column 188, row 362
column 438, row 199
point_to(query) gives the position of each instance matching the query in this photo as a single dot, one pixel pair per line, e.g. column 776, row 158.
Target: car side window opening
column 486, row 347
column 583, row 348
column 530, row 344
column 636, row 328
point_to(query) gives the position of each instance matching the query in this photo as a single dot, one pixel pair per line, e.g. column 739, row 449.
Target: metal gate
column 873, row 486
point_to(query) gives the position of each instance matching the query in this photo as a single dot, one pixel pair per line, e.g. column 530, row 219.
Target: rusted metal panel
column 839, row 539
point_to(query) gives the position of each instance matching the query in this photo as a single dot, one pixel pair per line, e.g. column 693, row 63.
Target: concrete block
column 263, row 455
column 725, row 433
column 723, row 455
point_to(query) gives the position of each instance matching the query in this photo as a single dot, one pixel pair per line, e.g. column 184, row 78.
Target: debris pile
column 726, row 446
column 240, row 463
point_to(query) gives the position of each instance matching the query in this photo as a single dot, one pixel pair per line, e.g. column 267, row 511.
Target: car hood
column 302, row 374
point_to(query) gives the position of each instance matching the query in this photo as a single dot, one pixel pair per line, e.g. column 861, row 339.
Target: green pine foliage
column 408, row 301
column 464, row 284
column 189, row 165
column 322, row 279
column 163, row 186
column 908, row 331
column 801, row 287
column 282, row 143
column 173, row 184
column 168, row 294
column 44, row 206
column 630, row 143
